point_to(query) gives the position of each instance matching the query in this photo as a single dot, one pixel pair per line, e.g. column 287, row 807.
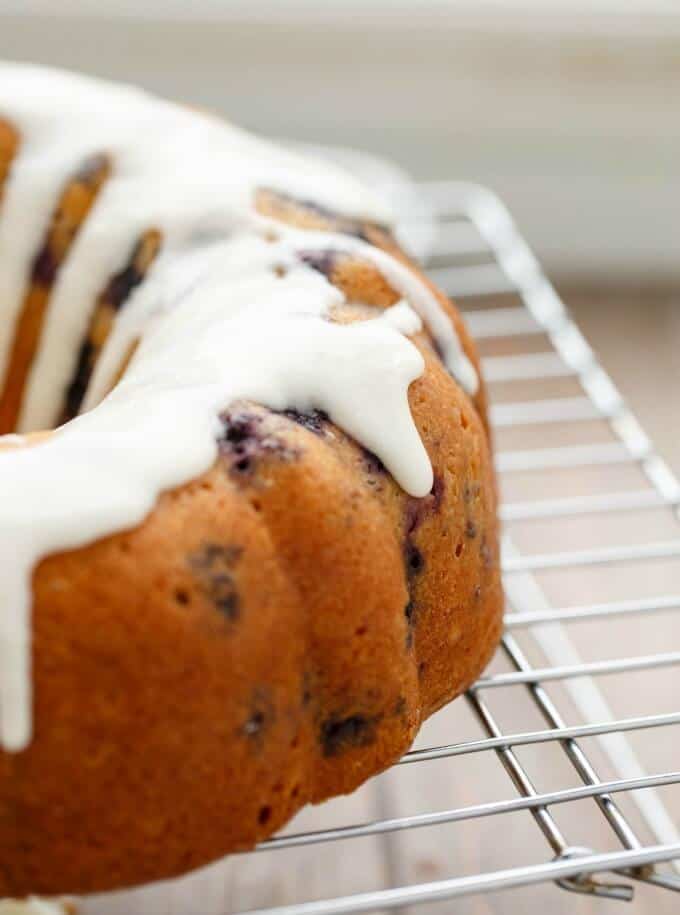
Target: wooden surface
column 639, row 342
column 637, row 336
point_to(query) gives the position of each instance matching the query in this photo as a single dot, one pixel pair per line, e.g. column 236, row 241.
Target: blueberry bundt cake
column 247, row 525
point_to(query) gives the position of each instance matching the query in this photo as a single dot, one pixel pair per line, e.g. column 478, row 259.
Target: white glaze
column 215, row 322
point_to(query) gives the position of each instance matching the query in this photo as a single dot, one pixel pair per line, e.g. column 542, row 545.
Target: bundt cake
column 247, row 528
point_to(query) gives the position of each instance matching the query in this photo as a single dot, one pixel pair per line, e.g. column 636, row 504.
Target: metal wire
column 594, row 611
column 475, row 224
column 531, row 801
column 567, row 457
column 456, row 887
column 530, row 737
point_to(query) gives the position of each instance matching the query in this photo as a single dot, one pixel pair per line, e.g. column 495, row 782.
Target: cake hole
column 278, row 787
column 295, row 743
column 464, row 421
column 264, row 815
column 257, row 505
column 459, row 549
column 361, row 630
column 182, row 597
column 414, row 558
column 243, row 465
column 295, row 791
column 254, row 724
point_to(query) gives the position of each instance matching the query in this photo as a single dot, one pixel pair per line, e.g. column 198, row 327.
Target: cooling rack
column 530, row 343
column 589, row 510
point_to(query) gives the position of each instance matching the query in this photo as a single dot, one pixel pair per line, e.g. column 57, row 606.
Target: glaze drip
column 228, row 311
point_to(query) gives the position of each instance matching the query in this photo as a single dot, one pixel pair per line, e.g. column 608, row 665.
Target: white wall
column 573, row 117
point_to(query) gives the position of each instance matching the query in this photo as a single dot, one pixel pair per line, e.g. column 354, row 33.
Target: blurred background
column 568, row 109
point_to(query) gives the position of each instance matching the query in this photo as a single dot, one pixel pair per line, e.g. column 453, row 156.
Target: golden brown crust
column 273, row 634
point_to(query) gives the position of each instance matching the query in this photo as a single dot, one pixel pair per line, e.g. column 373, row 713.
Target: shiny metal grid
column 473, row 223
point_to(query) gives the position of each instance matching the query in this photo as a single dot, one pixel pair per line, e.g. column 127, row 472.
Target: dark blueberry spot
column 437, row 491
column 471, row 491
column 339, row 734
column 213, row 553
column 261, row 716
column 264, row 815
column 81, row 379
column 471, row 529
column 418, row 509
column 224, row 595
column 373, row 463
column 225, row 599
column 410, row 614
column 414, row 559
column 254, row 724
column 313, row 420
column 245, row 439
column 242, row 465
column 45, row 267
column 121, row 285
column 322, row 261
column 182, row 597
column 213, row 565
column 239, row 427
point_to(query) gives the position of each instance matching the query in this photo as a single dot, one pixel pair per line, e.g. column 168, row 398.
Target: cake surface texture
column 248, row 536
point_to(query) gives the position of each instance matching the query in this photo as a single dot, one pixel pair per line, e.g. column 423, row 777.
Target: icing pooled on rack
column 227, row 312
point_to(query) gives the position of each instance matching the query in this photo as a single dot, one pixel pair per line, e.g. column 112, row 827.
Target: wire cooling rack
column 531, row 343
column 587, row 503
